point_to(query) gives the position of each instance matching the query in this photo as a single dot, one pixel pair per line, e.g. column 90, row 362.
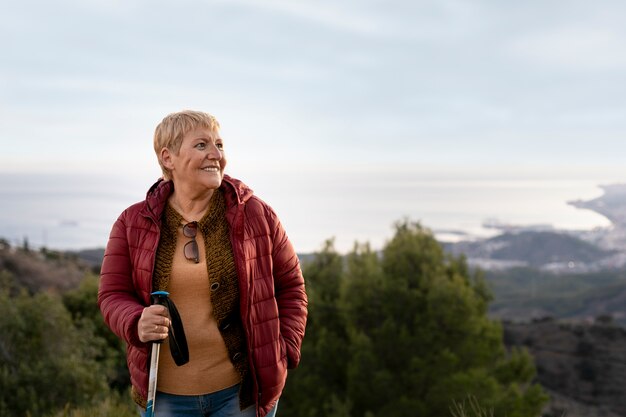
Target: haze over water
column 76, row 212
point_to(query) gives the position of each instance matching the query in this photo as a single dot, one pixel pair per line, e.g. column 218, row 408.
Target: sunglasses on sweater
column 191, row 248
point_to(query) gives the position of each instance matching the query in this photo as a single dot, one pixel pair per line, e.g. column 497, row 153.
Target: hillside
column 523, row 294
column 41, row 270
column 582, row 366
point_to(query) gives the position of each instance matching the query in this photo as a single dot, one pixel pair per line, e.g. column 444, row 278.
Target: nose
column 214, row 152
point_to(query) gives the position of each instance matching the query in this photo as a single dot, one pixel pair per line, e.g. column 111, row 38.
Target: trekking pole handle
column 160, row 298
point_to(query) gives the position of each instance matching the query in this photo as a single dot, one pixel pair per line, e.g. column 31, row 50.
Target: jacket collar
column 235, row 193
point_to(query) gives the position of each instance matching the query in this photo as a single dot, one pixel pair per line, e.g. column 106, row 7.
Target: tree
column 82, row 304
column 318, row 386
column 408, row 335
column 45, row 362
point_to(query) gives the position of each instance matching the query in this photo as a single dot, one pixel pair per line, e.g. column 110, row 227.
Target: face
column 200, row 162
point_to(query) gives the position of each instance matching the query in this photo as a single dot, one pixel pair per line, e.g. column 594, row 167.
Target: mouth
column 211, row 169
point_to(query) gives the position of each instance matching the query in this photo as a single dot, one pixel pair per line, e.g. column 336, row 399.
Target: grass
column 469, row 408
column 115, row 406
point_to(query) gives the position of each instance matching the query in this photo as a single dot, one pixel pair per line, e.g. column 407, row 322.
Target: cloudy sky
column 313, row 91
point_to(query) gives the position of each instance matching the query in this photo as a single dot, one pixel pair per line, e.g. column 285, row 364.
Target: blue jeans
column 224, row 403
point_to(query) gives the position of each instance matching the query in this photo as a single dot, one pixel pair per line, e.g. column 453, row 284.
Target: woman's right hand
column 153, row 324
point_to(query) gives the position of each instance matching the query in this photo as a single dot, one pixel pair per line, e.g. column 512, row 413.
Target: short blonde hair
column 170, row 132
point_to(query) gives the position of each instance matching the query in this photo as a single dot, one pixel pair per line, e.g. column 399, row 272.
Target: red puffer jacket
column 271, row 286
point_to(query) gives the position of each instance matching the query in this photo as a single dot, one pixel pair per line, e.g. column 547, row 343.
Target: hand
column 153, row 323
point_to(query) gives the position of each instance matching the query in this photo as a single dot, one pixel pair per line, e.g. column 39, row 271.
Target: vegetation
column 109, row 350
column 113, row 406
column 521, row 291
column 397, row 333
column 402, row 333
column 47, row 362
column 56, row 354
column 469, row 408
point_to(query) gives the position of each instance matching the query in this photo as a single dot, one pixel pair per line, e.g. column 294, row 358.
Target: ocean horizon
column 73, row 212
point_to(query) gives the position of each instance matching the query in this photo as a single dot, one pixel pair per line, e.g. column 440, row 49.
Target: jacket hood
column 235, row 193
column 234, row 188
column 157, row 196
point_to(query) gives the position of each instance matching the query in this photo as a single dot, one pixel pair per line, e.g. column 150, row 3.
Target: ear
column 166, row 158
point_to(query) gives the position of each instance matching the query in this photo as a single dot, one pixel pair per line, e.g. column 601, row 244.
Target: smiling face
column 199, row 164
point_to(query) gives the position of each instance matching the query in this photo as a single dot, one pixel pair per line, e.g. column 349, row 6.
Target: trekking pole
column 158, row 297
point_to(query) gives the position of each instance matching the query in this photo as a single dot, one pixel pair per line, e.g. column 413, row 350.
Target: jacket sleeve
column 290, row 292
column 117, row 298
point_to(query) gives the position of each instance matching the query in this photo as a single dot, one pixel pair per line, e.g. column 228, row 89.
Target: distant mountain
column 612, row 204
column 543, row 249
column 91, row 257
column 557, row 251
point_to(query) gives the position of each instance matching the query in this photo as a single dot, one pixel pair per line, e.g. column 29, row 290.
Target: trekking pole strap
column 176, row 331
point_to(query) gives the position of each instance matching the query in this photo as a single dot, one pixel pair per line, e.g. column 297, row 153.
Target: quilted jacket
column 273, row 301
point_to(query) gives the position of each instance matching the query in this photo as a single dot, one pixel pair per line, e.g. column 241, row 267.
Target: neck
column 191, row 207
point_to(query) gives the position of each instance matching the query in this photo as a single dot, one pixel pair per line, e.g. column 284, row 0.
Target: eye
column 200, row 145
column 219, row 145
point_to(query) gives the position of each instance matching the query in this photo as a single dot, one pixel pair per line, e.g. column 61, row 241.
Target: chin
column 214, row 185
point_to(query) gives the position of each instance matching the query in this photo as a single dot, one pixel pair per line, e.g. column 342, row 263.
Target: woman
column 230, row 269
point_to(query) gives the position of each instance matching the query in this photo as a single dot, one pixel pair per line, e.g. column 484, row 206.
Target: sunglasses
column 191, row 248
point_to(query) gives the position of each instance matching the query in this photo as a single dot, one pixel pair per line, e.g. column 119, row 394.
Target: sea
column 76, row 211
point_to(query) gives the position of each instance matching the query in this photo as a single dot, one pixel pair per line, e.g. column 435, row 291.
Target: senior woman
column 230, row 269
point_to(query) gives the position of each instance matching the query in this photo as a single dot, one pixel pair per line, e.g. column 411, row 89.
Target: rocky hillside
column 582, row 366
column 40, row 270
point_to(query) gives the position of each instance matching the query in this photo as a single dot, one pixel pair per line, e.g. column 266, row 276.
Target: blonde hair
column 170, row 132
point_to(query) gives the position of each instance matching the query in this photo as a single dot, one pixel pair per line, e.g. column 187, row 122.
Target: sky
column 319, row 93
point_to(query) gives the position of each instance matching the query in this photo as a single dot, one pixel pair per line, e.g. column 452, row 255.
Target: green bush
column 109, row 349
column 45, row 361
